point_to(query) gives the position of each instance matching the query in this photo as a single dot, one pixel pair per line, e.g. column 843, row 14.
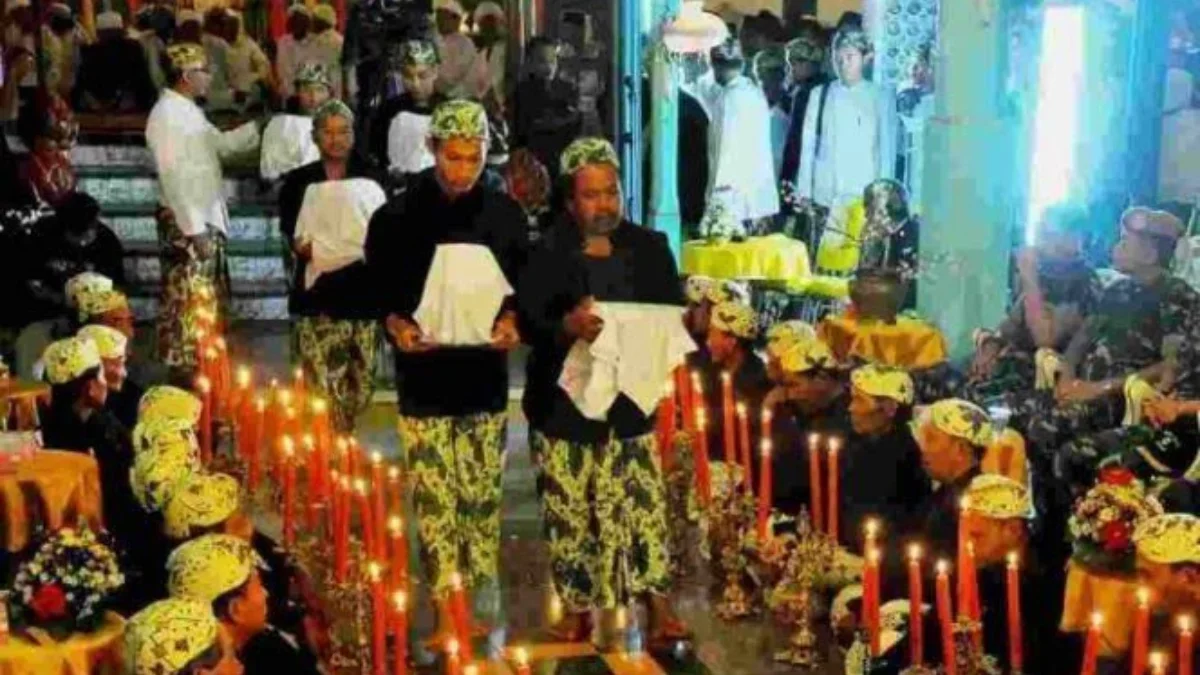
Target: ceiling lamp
column 694, row 31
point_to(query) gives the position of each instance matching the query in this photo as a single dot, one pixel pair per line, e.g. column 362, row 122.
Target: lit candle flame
column 1158, row 663
column 1097, row 620
column 203, row 384
column 396, row 525
column 964, row 503
column 210, row 354
column 456, row 581
column 374, row 571
column 943, row 568
column 813, row 440
column 914, row 552
column 1143, row 596
column 285, row 397
column 1013, row 560
column 701, row 418
column 260, row 404
column 766, row 448
column 308, row 441
column 298, row 374
column 452, row 647
column 741, row 409
column 725, row 377
column 766, row 415
column 220, row 344
column 1185, row 624
column 620, row 618
column 400, row 601
column 243, row 377
column 360, row 486
column 521, row 656
column 872, row 528
column 342, row 444
column 393, row 473
column 873, row 556
column 833, row 445
column 287, row 446
column 376, row 458
column 318, row 406
column 471, row 669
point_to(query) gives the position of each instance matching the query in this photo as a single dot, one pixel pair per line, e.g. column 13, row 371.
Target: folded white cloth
column 408, row 143
column 633, row 355
column 334, row 217
column 463, row 293
column 287, row 144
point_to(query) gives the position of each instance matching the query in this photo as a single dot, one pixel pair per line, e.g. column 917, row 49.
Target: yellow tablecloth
column 1113, row 597
column 909, row 343
column 18, row 403
column 53, row 489
column 774, row 257
column 95, row 653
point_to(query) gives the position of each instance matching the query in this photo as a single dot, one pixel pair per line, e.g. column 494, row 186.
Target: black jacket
column 789, row 458
column 124, row 404
column 553, row 283
column 750, row 386
column 271, row 651
column 401, row 241
column 882, row 478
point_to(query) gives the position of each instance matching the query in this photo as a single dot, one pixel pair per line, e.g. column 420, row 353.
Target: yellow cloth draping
column 841, row 243
column 1113, row 597
column 18, row 403
column 775, row 257
column 95, row 653
column 51, row 489
column 1006, row 457
column 909, row 343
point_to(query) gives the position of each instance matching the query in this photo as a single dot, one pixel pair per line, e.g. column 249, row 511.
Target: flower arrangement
column 1103, row 520
column 719, row 222
column 66, row 585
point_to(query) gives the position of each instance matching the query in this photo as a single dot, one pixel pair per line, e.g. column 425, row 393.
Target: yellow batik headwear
column 787, row 333
column 728, row 290
column 736, row 319
column 998, row 497
column 695, row 289
column 586, row 152
column 69, row 359
column 110, row 342
column 806, row 355
column 459, row 118
column 962, row 419
column 85, row 282
column 157, row 433
column 885, row 381
column 101, row 302
column 168, row 401
column 187, row 56
column 166, row 636
column 208, row 567
column 325, row 13
column 418, row 52
column 1169, row 539
column 156, row 475
column 200, row 500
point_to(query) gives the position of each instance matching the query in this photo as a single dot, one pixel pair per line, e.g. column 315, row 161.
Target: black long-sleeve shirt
column 881, row 477
column 557, row 277
column 401, row 241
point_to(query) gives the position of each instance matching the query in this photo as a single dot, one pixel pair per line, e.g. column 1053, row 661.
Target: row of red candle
column 1141, row 657
column 824, row 492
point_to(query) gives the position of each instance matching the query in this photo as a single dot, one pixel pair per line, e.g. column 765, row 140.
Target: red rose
column 1116, row 475
column 49, row 602
column 1116, row 536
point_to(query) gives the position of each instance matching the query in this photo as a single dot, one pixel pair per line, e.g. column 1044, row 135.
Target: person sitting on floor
column 177, row 637
column 113, row 74
column 123, row 395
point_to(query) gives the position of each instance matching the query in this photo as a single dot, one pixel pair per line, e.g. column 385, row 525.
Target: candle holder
column 969, row 659
column 809, row 557
column 732, row 537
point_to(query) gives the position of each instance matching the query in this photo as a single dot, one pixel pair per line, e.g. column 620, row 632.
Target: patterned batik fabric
column 187, row 267
column 605, row 514
column 456, row 464
column 338, row 357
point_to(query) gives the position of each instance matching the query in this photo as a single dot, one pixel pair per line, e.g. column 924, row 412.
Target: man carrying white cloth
column 603, row 505
column 439, row 256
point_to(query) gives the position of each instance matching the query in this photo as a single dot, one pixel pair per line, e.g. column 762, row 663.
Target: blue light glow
column 1056, row 126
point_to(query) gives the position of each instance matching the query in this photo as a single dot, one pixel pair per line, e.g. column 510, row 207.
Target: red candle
column 212, row 370
column 379, row 511
column 270, row 424
column 703, row 481
column 241, row 406
column 834, row 497
column 342, row 539
column 974, row 611
column 695, row 398
column 870, row 533
column 744, row 446
column 916, row 592
column 364, row 510
column 816, row 504
column 521, row 661
column 1185, row 645
column 396, row 491
column 1016, row 646
column 378, row 620
column 460, row 614
column 764, row 493
column 1091, row 648
column 400, row 631
column 309, row 444
column 298, row 385
column 968, row 582
column 765, row 425
column 453, row 659
column 1141, row 632
column 945, row 621
column 201, row 349
column 399, row 567
column 871, row 599
column 204, row 390
column 253, row 456
column 323, row 438
column 224, row 379
column 286, row 450
column 727, row 428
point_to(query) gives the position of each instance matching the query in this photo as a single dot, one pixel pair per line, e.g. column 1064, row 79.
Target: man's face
column 696, row 319
column 298, row 26
column 310, row 96
column 115, row 373
column 448, row 23
column 726, row 71
column 419, row 80
column 596, row 199
column 1133, row 251
column 871, row 415
column 772, row 85
column 95, row 393
column 994, row 538
column 120, row 319
column 458, row 163
column 802, row 70
column 543, row 62
column 230, row 27
column 722, row 346
column 249, row 610
column 850, row 63
column 335, row 138
column 808, row 389
column 941, row 454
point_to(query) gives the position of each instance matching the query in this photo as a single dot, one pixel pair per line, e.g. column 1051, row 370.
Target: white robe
column 287, row 144
column 407, row 148
column 461, row 74
column 739, row 145
column 290, row 55
column 187, row 151
column 858, row 143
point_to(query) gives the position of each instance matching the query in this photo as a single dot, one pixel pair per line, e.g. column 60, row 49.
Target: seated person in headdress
column 780, row 337
column 49, row 129
column 881, row 470
column 730, row 341
column 287, row 142
column 702, row 293
column 249, row 68
column 113, row 73
column 226, row 573
column 177, row 637
column 123, row 395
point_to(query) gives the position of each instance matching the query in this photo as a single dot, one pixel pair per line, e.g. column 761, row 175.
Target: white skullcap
column 452, row 6
column 185, row 15
column 488, row 8
column 298, row 8
column 110, row 21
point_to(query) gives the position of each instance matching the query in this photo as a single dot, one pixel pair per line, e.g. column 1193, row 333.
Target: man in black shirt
column 604, row 505
column 546, row 106
column 113, row 74
column 805, row 56
column 452, row 398
column 123, row 395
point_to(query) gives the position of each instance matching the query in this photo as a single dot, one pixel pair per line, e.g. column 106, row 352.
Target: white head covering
column 487, row 8
column 449, row 6
column 110, row 21
column 185, row 15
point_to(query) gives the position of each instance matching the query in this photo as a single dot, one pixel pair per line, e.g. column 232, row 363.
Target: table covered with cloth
column 95, row 653
column 49, row 490
column 774, row 258
column 909, row 343
column 19, row 400
column 1113, row 596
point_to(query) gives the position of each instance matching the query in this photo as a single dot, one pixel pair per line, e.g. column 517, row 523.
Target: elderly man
column 187, row 151
column 453, row 395
column 604, row 504
column 335, row 323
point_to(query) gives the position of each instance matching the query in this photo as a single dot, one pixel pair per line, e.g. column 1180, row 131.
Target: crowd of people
column 382, row 216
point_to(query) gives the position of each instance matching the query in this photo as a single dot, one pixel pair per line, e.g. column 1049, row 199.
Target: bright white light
column 1060, row 88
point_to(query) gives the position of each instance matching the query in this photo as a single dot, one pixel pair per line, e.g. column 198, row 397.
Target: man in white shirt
column 850, row 129
column 187, row 151
column 292, row 51
column 489, row 23
column 460, row 75
column 325, row 45
column 249, row 67
column 740, row 160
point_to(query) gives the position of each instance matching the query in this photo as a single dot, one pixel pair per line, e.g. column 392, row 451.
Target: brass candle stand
column 968, row 657
column 731, row 537
column 810, row 556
